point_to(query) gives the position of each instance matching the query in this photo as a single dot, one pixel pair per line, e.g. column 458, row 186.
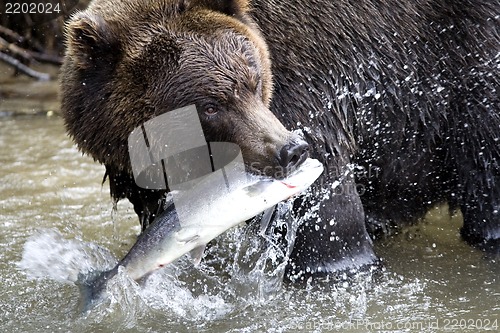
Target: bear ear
column 229, row 7
column 91, row 42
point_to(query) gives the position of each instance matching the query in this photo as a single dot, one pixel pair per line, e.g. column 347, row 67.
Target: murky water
column 56, row 221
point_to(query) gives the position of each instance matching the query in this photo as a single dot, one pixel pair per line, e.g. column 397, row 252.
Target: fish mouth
column 274, row 170
column 270, row 170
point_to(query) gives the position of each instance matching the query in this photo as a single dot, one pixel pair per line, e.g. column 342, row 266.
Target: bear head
column 128, row 62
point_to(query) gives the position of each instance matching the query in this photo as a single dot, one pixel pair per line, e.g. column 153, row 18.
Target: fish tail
column 92, row 286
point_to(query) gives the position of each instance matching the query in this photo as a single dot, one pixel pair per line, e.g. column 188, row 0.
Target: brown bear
column 110, row 84
column 397, row 98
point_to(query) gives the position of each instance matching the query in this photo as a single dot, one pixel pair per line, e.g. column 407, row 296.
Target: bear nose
column 293, row 154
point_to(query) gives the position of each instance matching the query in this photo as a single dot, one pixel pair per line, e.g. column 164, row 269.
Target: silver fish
column 207, row 211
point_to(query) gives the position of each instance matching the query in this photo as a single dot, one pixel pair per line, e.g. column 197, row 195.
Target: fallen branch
column 23, row 68
column 29, row 55
column 17, row 38
column 14, row 49
column 12, row 34
column 46, row 58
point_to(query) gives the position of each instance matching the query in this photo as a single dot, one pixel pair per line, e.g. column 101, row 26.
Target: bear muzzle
column 293, row 154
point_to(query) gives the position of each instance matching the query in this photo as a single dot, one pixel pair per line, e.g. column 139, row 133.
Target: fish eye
column 210, row 110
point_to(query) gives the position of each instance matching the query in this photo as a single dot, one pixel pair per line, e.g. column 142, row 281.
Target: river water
column 56, row 220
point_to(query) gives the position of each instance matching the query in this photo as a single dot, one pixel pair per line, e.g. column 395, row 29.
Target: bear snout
column 293, row 154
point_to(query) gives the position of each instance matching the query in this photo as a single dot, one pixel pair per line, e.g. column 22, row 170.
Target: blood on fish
column 288, row 185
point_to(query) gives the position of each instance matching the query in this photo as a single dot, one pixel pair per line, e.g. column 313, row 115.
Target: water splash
column 231, row 281
column 250, row 275
column 48, row 255
column 261, row 258
column 240, row 288
column 165, row 291
column 242, row 272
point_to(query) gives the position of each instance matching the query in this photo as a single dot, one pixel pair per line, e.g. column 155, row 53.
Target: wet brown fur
column 105, row 59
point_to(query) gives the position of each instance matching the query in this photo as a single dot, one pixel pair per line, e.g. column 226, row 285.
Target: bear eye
column 210, row 110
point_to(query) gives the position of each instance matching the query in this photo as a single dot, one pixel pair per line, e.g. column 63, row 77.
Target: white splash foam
column 165, row 292
column 48, row 255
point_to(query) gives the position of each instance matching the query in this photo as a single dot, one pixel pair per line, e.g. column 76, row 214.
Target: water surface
column 56, row 220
